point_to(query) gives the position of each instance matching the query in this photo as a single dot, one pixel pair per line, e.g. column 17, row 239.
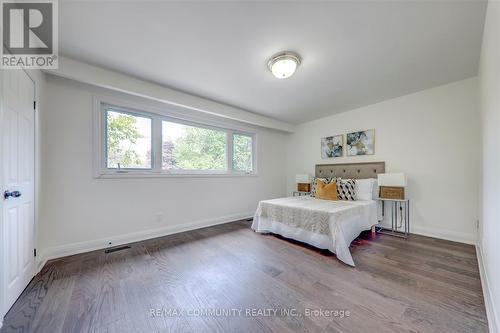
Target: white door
column 17, row 158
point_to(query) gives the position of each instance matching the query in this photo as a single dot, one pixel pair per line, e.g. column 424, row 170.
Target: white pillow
column 364, row 189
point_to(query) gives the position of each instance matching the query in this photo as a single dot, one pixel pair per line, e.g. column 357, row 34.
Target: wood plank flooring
column 418, row 285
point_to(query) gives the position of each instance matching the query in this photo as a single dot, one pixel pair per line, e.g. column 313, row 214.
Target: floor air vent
column 118, row 248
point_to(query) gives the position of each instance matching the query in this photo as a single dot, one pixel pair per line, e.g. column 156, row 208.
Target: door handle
column 13, row 194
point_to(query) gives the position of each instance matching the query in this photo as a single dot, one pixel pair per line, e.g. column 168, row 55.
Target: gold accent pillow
column 326, row 191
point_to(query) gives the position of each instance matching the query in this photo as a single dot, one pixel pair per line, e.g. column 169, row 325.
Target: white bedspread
column 325, row 224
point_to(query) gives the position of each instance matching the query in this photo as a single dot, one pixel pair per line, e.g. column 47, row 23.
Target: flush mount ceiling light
column 284, row 64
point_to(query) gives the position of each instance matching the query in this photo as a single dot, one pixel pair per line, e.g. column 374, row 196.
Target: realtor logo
column 29, row 34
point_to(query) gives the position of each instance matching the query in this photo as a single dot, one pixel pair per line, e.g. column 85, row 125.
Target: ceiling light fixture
column 284, row 64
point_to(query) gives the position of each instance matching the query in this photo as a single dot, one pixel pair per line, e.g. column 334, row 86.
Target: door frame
column 3, row 309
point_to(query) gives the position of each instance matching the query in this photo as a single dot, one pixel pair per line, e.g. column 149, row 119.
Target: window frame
column 105, row 137
column 157, row 116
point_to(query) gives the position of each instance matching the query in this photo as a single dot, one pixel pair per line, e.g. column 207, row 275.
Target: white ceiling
column 354, row 53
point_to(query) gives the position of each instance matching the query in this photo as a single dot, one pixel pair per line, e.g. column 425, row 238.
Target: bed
column 325, row 224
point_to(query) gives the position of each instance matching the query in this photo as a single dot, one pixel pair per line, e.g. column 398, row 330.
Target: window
column 128, row 141
column 193, row 148
column 141, row 143
column 242, row 153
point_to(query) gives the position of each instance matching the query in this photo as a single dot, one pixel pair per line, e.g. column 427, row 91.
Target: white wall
column 432, row 136
column 489, row 85
column 79, row 212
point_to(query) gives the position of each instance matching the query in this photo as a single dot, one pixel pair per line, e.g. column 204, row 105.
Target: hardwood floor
column 419, row 285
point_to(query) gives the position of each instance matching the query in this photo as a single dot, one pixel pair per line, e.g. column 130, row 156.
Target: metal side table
column 401, row 208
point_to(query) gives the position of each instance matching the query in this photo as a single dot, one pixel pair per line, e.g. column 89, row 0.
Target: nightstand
column 399, row 208
column 300, row 193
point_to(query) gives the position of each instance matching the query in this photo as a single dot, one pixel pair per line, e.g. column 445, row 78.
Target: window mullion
column 157, row 152
column 230, row 152
column 254, row 153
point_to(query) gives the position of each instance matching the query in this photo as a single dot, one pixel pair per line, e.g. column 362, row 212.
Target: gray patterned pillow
column 313, row 184
column 345, row 189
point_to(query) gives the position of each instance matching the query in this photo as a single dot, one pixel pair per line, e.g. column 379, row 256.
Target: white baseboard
column 81, row 247
column 40, row 263
column 445, row 234
column 493, row 320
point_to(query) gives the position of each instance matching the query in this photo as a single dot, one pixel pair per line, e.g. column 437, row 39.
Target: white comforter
column 325, row 224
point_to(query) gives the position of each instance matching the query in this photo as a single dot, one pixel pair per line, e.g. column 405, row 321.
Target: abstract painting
column 332, row 146
column 361, row 143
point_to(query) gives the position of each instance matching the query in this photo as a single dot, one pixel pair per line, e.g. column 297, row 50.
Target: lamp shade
column 302, row 178
column 392, row 179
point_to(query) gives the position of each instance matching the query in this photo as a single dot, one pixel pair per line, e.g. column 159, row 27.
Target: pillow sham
column 326, row 191
column 346, row 189
column 313, row 184
column 364, row 189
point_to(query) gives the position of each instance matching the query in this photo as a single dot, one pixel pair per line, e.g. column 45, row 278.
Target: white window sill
column 135, row 174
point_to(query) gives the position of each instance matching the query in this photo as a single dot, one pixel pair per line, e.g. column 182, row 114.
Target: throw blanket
column 325, row 224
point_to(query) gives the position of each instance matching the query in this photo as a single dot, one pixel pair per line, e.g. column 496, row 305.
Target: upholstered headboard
column 350, row 170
